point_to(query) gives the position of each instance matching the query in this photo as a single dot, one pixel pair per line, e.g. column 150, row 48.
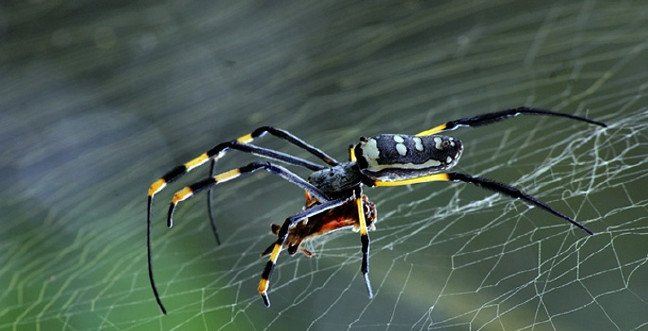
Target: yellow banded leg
column 284, row 173
column 245, row 139
column 161, row 183
column 432, row 131
column 188, row 191
column 364, row 239
column 242, row 144
column 490, row 118
column 487, row 184
column 286, row 136
column 264, row 282
column 352, row 156
column 215, row 153
column 219, row 150
column 198, row 161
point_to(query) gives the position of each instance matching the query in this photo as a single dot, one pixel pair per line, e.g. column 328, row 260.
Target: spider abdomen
column 397, row 156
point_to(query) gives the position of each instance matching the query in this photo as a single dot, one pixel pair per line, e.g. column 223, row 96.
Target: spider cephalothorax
column 336, row 188
column 336, row 179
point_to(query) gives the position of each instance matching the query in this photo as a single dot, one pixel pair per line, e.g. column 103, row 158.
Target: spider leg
column 283, row 235
column 352, row 157
column 149, row 258
column 291, row 138
column 259, row 132
column 210, row 211
column 488, row 184
column 364, row 239
column 214, row 154
column 489, row 118
column 364, row 233
column 218, row 151
column 189, row 191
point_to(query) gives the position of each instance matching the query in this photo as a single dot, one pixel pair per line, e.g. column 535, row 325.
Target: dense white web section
column 446, row 256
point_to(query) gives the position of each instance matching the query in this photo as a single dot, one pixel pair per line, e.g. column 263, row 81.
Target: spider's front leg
column 490, row 118
column 362, row 227
column 283, row 235
column 242, row 144
column 189, row 191
column 364, row 239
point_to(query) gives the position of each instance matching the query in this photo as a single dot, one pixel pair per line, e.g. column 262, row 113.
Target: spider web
column 87, row 127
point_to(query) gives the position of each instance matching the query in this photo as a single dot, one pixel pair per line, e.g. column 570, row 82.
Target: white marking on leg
column 418, row 144
column 449, row 159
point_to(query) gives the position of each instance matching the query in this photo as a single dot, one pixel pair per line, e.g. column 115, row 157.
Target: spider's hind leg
column 488, row 184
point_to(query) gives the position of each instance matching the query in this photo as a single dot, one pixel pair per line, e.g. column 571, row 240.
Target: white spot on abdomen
column 402, row 150
column 370, row 151
column 437, row 143
column 418, row 144
column 398, row 139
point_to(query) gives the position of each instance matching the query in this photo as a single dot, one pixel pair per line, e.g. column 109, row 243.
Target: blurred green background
column 99, row 99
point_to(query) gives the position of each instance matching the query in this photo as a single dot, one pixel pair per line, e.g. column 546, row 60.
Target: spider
column 381, row 160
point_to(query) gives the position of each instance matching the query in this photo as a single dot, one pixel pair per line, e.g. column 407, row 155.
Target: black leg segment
column 489, row 118
column 512, row 192
column 291, row 138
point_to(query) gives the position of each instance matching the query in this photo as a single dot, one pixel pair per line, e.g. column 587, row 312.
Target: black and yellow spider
column 382, row 160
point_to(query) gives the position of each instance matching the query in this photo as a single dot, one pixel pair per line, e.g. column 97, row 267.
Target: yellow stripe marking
column 181, row 195
column 263, row 286
column 228, row 175
column 263, row 283
column 156, row 187
column 202, row 158
column 429, row 178
column 361, row 217
column 275, row 253
column 245, row 139
column 352, row 155
column 432, row 131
